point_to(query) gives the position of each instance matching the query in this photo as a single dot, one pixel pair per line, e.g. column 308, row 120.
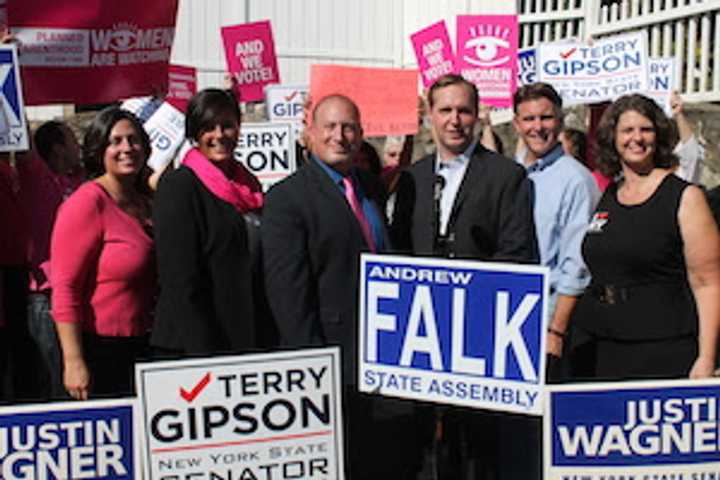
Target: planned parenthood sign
column 453, row 332
column 634, row 430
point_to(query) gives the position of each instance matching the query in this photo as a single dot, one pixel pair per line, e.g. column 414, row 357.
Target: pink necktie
column 358, row 211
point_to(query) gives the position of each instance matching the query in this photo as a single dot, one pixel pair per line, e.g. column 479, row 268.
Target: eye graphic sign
column 487, row 47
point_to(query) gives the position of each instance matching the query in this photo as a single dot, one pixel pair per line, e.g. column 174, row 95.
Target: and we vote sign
column 453, row 332
column 651, row 430
column 250, row 55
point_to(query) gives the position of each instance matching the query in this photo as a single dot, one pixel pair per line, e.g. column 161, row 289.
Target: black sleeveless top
column 639, row 287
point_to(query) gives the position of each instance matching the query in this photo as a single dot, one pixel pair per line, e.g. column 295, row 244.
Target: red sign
column 387, row 97
column 181, row 87
column 92, row 51
column 250, row 54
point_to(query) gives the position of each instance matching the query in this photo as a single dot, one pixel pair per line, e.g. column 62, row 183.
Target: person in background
column 690, row 152
column 102, row 262
column 574, row 144
column 391, row 152
column 488, row 138
column 207, row 240
column 368, row 159
column 397, row 155
column 14, row 241
column 652, row 309
column 48, row 176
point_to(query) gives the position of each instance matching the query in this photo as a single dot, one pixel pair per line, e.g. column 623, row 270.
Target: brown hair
column 666, row 135
column 453, row 79
column 535, row 91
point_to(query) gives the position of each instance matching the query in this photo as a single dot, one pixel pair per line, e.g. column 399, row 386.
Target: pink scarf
column 242, row 191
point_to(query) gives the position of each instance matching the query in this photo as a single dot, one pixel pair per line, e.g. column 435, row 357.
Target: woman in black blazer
column 207, row 302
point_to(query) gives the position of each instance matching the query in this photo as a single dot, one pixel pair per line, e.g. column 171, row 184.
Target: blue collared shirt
column 565, row 196
column 453, row 171
column 371, row 213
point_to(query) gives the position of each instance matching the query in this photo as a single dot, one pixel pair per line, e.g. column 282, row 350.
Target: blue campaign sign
column 285, row 102
column 527, row 66
column 13, row 128
column 68, row 440
column 590, row 73
column 455, row 332
column 663, row 428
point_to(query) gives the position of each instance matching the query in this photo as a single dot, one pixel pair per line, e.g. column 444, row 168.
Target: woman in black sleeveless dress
column 652, row 309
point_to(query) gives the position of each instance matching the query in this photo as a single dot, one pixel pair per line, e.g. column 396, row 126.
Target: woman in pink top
column 102, row 262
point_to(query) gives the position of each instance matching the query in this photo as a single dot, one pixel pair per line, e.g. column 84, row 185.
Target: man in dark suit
column 315, row 225
column 465, row 201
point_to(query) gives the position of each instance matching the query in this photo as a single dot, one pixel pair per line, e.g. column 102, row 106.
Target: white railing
column 688, row 30
column 550, row 20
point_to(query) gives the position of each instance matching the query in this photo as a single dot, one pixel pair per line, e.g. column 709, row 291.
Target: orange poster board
column 387, row 97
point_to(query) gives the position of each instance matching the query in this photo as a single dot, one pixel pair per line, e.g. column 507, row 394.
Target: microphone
column 438, row 187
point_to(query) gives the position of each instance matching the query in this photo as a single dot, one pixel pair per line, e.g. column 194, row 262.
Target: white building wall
column 354, row 32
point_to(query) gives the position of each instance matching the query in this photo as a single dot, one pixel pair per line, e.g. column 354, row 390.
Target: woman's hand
column 702, row 368
column 76, row 378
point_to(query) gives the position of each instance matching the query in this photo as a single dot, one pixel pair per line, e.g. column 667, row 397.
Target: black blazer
column 311, row 245
column 491, row 218
column 206, row 301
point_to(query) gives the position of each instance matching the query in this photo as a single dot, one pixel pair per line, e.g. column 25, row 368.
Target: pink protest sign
column 250, row 54
column 92, row 51
column 434, row 52
column 487, row 55
column 182, row 85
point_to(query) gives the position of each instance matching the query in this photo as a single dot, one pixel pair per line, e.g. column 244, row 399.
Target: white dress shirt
column 453, row 171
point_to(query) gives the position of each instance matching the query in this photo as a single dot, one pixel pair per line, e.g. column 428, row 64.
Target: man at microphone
column 463, row 201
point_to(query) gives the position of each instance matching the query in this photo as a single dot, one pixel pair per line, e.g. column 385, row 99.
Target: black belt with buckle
column 610, row 294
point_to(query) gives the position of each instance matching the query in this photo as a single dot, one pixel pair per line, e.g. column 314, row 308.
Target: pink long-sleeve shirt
column 42, row 191
column 103, row 271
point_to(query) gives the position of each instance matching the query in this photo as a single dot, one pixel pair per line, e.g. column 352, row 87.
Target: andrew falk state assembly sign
column 92, row 51
column 644, row 430
column 454, row 332
column 69, row 440
column 252, row 417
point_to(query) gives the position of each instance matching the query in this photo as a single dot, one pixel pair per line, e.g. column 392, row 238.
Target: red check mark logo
column 195, row 391
column 566, row 55
column 291, row 96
